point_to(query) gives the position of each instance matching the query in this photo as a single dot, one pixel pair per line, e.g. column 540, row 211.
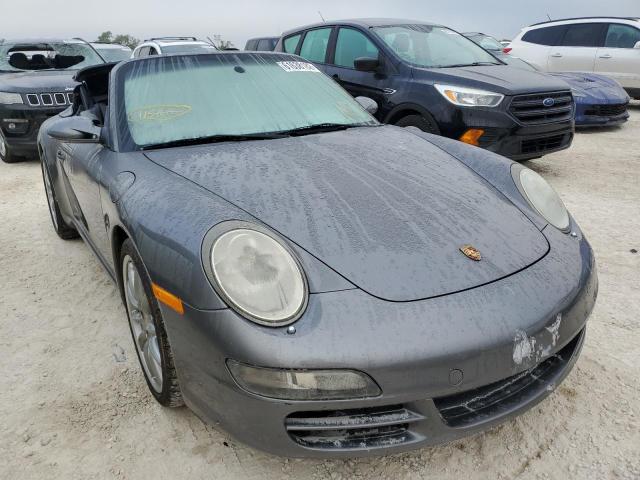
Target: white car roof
column 111, row 46
column 569, row 21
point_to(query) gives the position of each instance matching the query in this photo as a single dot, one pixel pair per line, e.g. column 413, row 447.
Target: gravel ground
column 73, row 403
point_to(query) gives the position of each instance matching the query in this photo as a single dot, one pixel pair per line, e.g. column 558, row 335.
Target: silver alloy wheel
column 142, row 324
column 50, row 198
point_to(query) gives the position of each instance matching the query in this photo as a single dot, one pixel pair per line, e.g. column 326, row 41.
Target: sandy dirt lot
column 73, row 403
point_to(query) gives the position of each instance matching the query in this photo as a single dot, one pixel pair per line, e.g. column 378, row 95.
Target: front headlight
column 469, row 97
column 542, row 198
column 8, row 98
column 256, row 274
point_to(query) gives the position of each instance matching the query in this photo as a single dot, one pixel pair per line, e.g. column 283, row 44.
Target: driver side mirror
column 76, row 130
column 366, row 64
column 637, row 46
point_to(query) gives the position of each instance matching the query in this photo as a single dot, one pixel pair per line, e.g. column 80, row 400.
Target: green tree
column 126, row 40
column 105, row 37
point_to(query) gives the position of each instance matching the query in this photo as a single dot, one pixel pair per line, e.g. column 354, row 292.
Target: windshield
column 487, row 42
column 433, row 47
column 16, row 57
column 168, row 99
column 188, row 48
column 113, row 54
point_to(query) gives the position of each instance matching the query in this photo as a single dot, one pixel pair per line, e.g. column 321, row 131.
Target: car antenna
column 320, row 13
column 549, row 17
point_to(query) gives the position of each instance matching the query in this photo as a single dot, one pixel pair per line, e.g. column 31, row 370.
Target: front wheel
column 5, row 153
column 424, row 122
column 147, row 329
column 63, row 230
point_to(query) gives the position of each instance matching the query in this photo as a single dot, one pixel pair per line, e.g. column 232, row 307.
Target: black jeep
column 35, row 84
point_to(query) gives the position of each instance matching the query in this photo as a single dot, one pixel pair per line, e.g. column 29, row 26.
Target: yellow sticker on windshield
column 158, row 113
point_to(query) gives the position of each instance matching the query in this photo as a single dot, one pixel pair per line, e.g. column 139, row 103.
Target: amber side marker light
column 472, row 136
column 169, row 299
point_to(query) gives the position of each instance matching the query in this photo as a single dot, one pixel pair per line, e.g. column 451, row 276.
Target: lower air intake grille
column 541, row 145
column 484, row 403
column 606, row 110
column 353, row 429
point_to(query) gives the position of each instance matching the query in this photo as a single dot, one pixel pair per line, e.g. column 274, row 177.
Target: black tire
column 170, row 394
column 5, row 152
column 425, row 122
column 61, row 227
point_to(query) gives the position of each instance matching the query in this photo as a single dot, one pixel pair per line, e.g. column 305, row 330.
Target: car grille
column 54, row 99
column 531, row 109
column 487, row 402
column 353, row 429
column 606, row 110
column 544, row 144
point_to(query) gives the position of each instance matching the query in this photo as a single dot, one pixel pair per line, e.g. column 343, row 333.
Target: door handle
column 606, row 55
column 557, row 55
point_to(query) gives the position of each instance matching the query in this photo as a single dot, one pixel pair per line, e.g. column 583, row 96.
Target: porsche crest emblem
column 471, row 252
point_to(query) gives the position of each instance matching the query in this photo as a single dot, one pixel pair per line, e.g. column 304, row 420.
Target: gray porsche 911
column 315, row 282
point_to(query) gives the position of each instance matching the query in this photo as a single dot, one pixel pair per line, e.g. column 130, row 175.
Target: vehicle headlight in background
column 469, row 97
column 8, row 98
column 256, row 275
column 303, row 384
column 542, row 198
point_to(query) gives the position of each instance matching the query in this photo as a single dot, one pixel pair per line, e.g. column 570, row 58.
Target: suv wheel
column 425, row 122
column 5, row 154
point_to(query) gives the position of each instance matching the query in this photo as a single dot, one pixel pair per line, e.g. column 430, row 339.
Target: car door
column 350, row 45
column 81, row 166
column 619, row 58
column 576, row 51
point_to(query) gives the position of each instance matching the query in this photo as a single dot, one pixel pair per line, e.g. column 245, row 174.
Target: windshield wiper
column 474, row 64
column 320, row 128
column 213, row 139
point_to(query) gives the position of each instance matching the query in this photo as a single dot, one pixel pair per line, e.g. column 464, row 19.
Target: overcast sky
column 237, row 20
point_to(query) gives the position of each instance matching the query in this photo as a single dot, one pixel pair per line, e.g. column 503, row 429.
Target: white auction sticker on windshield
column 298, row 67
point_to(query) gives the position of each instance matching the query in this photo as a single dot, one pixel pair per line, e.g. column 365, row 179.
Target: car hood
column 594, row 86
column 37, row 81
column 496, row 78
column 384, row 208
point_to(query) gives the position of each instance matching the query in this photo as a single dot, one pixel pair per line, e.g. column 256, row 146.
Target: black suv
column 433, row 78
column 35, row 84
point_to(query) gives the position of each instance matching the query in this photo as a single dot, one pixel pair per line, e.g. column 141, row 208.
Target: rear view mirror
column 366, row 64
column 368, row 104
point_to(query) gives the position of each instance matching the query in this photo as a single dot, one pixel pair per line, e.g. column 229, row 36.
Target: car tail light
column 507, row 50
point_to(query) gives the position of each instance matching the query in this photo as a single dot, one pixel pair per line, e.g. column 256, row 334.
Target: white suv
column 606, row 45
column 171, row 45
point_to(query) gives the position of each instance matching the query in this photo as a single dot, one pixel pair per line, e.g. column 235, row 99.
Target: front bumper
column 22, row 141
column 506, row 136
column 590, row 116
column 433, row 359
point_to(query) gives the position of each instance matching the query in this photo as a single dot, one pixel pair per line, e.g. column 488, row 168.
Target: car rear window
column 583, row 35
column 549, row 36
column 291, row 43
column 314, row 45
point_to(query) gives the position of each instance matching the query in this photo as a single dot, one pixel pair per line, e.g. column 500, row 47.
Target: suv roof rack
column 171, row 38
column 584, row 18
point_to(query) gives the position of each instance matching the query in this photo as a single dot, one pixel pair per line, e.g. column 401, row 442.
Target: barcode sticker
column 298, row 67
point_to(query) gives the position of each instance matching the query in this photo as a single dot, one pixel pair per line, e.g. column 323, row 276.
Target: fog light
column 303, row 384
column 472, row 136
column 15, row 125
